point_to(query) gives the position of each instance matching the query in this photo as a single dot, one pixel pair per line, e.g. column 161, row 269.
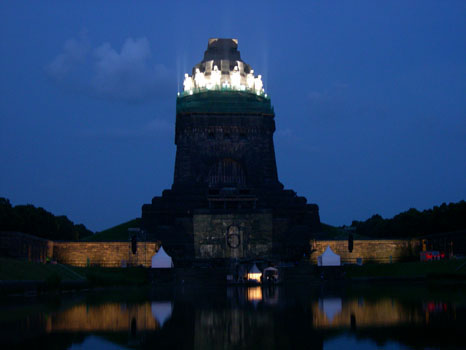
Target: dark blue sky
column 369, row 99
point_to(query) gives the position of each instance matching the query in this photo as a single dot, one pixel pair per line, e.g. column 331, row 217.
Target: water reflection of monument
column 330, row 312
column 255, row 317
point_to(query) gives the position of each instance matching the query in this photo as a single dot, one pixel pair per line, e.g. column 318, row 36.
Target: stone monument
column 226, row 201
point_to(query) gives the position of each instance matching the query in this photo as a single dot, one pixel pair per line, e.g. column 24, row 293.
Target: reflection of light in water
column 331, row 307
column 113, row 317
column 161, row 311
column 254, row 294
column 382, row 312
column 271, row 295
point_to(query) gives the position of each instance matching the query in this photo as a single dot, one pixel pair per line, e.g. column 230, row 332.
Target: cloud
column 103, row 72
column 74, row 53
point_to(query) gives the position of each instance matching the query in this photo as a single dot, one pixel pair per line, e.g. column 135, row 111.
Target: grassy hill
column 117, row 233
column 337, row 233
column 12, row 269
column 332, row 232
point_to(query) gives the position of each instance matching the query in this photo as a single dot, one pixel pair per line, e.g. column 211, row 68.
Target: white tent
column 161, row 260
column 329, row 258
column 254, row 273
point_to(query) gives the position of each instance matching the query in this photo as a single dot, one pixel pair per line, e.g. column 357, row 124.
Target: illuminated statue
column 199, row 79
column 250, row 80
column 188, row 83
column 258, row 84
column 235, row 78
column 225, row 83
column 208, row 76
column 215, row 76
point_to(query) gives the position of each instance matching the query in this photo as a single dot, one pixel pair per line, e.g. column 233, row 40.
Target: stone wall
column 380, row 250
column 26, row 247
column 208, row 244
column 107, row 254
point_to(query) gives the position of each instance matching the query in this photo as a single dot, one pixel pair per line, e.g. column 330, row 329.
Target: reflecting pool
column 286, row 317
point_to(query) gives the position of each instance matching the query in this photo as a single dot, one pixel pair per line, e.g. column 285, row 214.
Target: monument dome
column 222, row 69
column 222, row 82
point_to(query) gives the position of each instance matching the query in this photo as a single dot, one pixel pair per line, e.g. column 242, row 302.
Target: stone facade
column 232, row 235
column 208, row 144
column 379, row 250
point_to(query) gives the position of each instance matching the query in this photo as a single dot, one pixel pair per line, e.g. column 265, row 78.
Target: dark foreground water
column 323, row 317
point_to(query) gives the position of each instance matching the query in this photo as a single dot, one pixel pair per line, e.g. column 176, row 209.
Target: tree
column 413, row 223
column 39, row 222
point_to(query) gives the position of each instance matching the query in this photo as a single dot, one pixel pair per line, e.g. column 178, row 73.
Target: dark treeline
column 39, row 222
column 414, row 223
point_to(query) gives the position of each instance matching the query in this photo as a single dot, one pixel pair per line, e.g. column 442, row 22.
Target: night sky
column 369, row 99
